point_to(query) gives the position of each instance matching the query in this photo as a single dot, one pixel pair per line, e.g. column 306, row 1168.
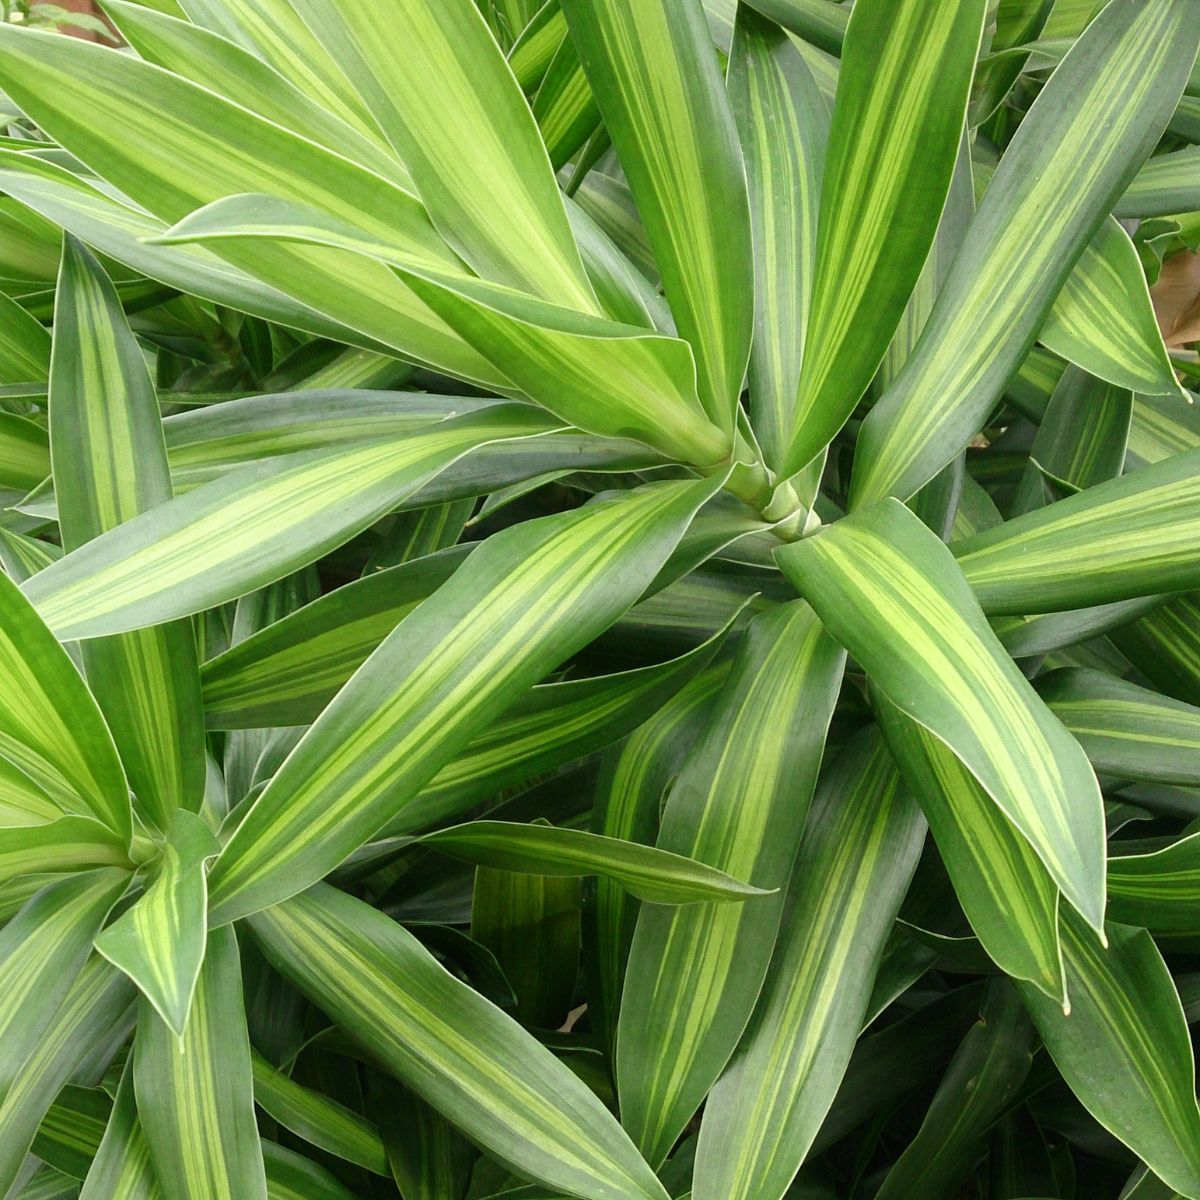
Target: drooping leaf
column 889, row 590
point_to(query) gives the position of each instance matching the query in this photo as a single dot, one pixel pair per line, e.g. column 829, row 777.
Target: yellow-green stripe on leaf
column 159, row 941
column 655, row 76
column 1132, row 536
column 1093, row 124
column 106, row 437
column 1124, row 1049
column 24, row 452
column 783, row 122
column 195, row 1093
column 253, row 525
column 897, row 122
column 24, row 345
column 860, row 847
column 1005, row 891
column 739, row 805
column 456, row 1050
column 50, row 726
column 122, row 1169
column 891, row 593
column 526, row 600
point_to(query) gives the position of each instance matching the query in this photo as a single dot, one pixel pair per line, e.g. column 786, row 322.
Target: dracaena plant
column 597, row 601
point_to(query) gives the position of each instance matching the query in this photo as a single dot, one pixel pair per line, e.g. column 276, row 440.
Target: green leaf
column 50, row 726
column 179, row 558
column 106, row 437
column 655, row 77
column 513, row 231
column 89, row 1025
column 1082, row 438
column 1005, row 891
column 159, row 941
column 783, row 122
column 1103, row 319
column 897, row 123
column 1095, row 121
column 650, row 874
column 816, row 21
column 42, row 951
column 122, row 1169
column 1158, row 890
column 1127, row 730
column 739, row 805
column 1124, row 1049
column 291, row 1176
column 529, row 598
column 981, row 1083
column 70, row 1133
column 859, row 849
column 889, row 591
column 1168, row 183
column 174, row 166
column 195, row 1092
column 24, row 345
column 1132, row 536
column 430, row 1159
column 317, row 1118
column 452, row 1047
column 24, row 452
column 221, row 65
column 1165, row 644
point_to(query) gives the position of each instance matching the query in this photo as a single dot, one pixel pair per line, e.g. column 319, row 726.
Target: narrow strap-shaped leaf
column 24, row 345
column 1159, row 890
column 23, row 556
column 528, row 598
column 159, row 941
column 1103, row 319
column 897, row 123
column 629, row 794
column 611, row 379
column 70, row 1133
column 1168, row 183
column 286, row 672
column 655, row 77
column 430, row 1159
column 564, row 106
column 1162, row 426
column 1124, row 1049
column 118, row 230
column 783, row 123
column 816, row 21
column 649, row 873
column 1083, row 436
column 214, row 61
column 122, row 1169
column 1132, row 536
column 176, row 166
column 50, row 726
column 889, row 591
column 24, row 452
column 858, row 852
column 421, row 532
column 1165, row 644
column 42, row 950
column 1095, row 121
column 426, row 63
column 317, row 1118
column 65, row 844
column 291, row 1176
column 1005, row 891
column 179, row 558
column 739, row 804
column 457, row 1051
column 980, row 1083
column 89, row 1025
column 195, row 1094
column 1126, row 730
column 106, row 437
